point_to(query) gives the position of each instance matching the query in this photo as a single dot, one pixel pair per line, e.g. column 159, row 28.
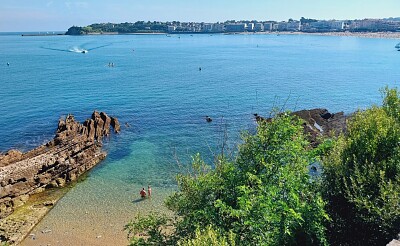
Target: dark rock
column 317, row 123
column 115, row 124
column 75, row 149
column 326, row 115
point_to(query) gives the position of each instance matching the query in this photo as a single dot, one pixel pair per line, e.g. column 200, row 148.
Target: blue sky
column 58, row 15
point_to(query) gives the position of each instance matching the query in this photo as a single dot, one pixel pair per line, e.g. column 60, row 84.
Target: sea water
column 154, row 85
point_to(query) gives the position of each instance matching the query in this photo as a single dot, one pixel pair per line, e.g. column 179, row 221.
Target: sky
column 59, row 15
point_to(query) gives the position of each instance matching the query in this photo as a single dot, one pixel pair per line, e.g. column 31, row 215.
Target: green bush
column 362, row 177
column 264, row 197
column 209, row 237
column 149, row 230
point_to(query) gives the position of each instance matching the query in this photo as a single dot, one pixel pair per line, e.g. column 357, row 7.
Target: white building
column 374, row 25
column 250, row 27
column 171, row 28
column 259, row 27
column 218, row 27
column 281, row 26
column 236, row 27
column 268, row 27
column 324, row 26
column 293, row 26
column 207, row 27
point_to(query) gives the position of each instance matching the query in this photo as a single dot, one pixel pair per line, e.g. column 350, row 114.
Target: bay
column 156, row 87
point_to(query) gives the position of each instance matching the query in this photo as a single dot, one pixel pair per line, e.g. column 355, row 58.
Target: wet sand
column 88, row 225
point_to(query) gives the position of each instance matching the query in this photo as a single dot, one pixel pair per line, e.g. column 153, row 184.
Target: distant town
column 232, row 26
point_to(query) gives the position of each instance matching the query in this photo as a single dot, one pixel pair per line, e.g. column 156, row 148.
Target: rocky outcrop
column 319, row 122
column 10, row 156
column 75, row 149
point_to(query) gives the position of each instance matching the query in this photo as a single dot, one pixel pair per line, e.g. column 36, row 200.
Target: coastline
column 207, row 39
column 24, row 219
column 386, row 35
column 31, row 183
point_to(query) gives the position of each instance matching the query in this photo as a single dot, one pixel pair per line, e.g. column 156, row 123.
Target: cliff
column 75, row 149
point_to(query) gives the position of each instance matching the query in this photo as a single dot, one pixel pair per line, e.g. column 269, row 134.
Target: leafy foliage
column 209, row 237
column 74, row 30
column 265, row 196
column 275, row 202
column 139, row 26
column 148, row 230
column 361, row 176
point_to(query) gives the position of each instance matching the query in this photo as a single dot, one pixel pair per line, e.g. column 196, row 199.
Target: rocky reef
column 75, row 149
column 319, row 122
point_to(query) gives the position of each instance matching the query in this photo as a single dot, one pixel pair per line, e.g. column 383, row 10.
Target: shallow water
column 156, row 86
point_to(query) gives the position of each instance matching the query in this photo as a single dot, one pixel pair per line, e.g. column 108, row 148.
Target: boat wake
column 77, row 49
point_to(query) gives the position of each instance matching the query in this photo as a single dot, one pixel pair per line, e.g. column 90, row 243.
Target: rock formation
column 318, row 122
column 75, row 149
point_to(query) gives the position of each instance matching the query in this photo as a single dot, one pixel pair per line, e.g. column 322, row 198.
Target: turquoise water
column 156, row 87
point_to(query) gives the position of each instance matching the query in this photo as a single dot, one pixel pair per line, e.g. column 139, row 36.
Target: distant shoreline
column 36, row 35
column 386, row 35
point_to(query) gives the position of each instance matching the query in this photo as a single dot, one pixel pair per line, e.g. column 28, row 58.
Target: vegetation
column 265, row 196
column 207, row 237
column 361, row 176
column 305, row 21
column 137, row 27
column 75, row 30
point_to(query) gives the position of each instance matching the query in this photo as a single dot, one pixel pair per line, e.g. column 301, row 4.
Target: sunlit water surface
column 156, row 87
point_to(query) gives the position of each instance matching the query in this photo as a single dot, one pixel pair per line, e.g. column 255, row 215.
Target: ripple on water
column 160, row 92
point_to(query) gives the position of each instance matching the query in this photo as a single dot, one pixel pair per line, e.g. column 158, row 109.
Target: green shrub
column 362, row 177
column 209, row 237
column 149, row 230
column 264, row 197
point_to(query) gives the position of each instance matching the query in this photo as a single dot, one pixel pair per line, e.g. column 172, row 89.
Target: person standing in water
column 143, row 193
column 149, row 190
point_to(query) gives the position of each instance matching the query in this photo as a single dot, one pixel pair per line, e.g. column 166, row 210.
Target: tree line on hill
column 265, row 194
column 139, row 26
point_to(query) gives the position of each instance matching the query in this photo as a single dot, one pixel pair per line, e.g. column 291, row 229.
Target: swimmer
column 143, row 193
